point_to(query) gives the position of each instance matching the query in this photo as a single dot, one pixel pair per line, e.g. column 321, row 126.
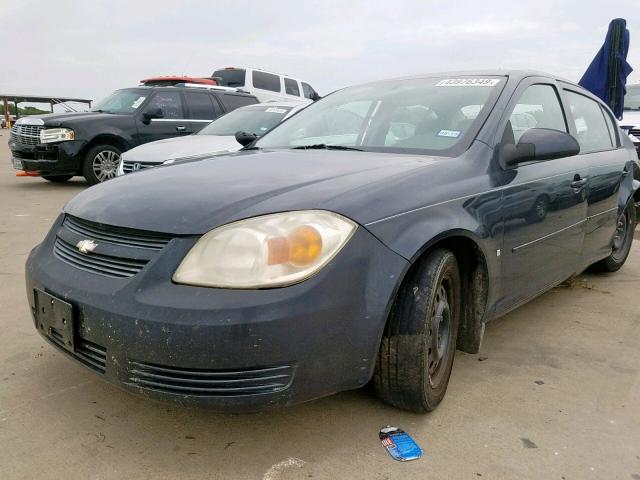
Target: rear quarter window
column 232, row 101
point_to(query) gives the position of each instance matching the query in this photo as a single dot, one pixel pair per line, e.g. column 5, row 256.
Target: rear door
column 544, row 203
column 173, row 122
column 600, row 149
column 202, row 109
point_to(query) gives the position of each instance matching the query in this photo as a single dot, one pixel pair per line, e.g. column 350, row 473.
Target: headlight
column 50, row 135
column 268, row 251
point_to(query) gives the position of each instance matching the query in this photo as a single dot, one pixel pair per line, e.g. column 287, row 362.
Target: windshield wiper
column 324, row 146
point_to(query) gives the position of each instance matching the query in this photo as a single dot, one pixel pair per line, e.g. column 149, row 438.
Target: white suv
column 267, row 86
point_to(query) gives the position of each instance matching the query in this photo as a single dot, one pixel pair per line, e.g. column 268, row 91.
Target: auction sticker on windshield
column 138, row 102
column 468, row 82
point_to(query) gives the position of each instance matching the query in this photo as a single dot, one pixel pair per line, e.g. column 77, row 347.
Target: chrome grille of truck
column 26, row 134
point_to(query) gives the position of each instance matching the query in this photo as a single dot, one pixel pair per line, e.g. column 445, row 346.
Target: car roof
column 196, row 89
column 515, row 74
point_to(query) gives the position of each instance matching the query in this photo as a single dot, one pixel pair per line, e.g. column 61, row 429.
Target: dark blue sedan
column 363, row 240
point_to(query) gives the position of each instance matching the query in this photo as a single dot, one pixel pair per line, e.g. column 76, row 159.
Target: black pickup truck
column 60, row 146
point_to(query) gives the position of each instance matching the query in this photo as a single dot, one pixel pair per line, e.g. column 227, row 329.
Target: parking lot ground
column 554, row 394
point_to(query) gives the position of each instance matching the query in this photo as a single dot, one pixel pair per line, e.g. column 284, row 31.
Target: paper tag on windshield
column 138, row 102
column 275, row 110
column 468, row 82
column 449, row 133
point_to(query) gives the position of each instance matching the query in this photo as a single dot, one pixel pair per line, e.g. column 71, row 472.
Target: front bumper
column 193, row 345
column 63, row 158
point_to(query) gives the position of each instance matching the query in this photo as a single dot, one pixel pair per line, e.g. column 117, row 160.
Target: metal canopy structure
column 17, row 99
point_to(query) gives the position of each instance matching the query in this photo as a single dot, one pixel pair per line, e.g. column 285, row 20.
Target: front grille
column 91, row 354
column 131, row 166
column 115, row 235
column 26, row 134
column 96, row 263
column 23, row 155
column 635, row 132
column 213, row 383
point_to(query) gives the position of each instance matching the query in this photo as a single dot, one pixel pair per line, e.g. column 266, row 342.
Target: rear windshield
column 230, row 77
column 424, row 115
column 256, row 120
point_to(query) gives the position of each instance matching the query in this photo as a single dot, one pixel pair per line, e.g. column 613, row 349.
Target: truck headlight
column 51, row 135
column 267, row 251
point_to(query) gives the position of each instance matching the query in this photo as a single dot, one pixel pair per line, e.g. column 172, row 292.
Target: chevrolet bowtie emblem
column 86, row 246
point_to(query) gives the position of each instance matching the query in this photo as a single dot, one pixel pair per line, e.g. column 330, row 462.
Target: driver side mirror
column 315, row 97
column 539, row 144
column 151, row 114
column 245, row 138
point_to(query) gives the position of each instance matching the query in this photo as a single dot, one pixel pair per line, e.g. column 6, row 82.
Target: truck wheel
column 622, row 240
column 101, row 163
column 57, row 178
column 419, row 342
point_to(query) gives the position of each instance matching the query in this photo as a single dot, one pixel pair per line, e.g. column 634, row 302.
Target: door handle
column 578, row 182
column 181, row 128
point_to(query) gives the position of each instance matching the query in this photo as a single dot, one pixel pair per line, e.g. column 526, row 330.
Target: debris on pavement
column 399, row 444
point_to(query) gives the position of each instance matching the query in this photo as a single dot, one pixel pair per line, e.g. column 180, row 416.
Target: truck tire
column 101, row 163
column 419, row 342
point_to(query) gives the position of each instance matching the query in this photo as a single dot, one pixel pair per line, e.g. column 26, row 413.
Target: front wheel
column 101, row 163
column 418, row 345
column 622, row 240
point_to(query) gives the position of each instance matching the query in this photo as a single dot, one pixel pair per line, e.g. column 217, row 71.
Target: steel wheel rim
column 439, row 336
column 621, row 237
column 105, row 165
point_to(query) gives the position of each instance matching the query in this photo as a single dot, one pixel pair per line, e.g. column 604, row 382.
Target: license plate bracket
column 54, row 317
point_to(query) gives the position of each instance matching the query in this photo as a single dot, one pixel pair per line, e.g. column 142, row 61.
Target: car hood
column 68, row 119
column 182, row 147
column 194, row 197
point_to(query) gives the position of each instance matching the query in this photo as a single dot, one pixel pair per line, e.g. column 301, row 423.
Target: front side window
column 591, row 128
column 202, row 106
column 537, row 107
column 122, row 101
column 230, row 77
column 266, row 81
column 418, row 115
column 170, row 103
column 256, row 120
column 291, row 87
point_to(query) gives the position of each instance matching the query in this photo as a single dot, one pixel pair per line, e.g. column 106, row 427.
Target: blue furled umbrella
column 607, row 75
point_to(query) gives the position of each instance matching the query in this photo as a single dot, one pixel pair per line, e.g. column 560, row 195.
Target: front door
column 544, row 203
column 172, row 122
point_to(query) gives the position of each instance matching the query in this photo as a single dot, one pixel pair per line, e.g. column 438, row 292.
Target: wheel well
column 105, row 140
column 475, row 288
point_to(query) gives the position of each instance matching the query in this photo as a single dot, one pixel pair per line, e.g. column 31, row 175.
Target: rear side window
column 202, row 106
column 591, row 127
column 538, row 107
column 291, row 87
column 266, row 81
column 613, row 127
column 231, row 101
column 307, row 90
column 169, row 102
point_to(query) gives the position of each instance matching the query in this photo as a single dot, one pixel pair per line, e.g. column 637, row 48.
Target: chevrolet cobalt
column 361, row 241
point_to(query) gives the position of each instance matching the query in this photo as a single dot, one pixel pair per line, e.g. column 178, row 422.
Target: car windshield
column 256, row 120
column 424, row 115
column 632, row 98
column 121, row 101
column 230, row 77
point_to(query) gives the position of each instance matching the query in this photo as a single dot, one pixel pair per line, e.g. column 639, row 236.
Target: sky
column 90, row 48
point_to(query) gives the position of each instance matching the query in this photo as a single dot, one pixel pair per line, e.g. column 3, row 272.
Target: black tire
column 57, row 178
column 422, row 325
column 622, row 241
column 101, row 163
column 539, row 210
